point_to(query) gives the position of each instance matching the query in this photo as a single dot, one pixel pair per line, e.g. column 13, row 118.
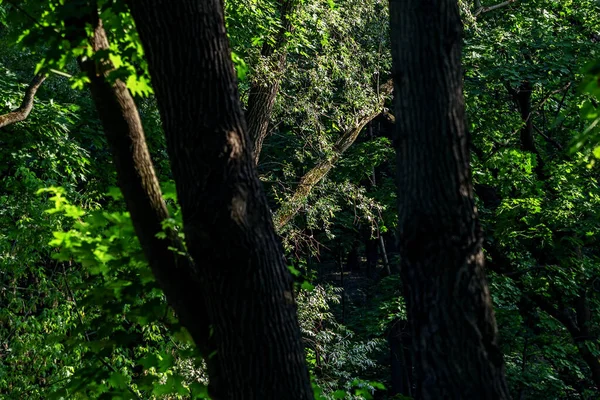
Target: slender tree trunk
column 137, row 180
column 522, row 98
column 400, row 363
column 453, row 325
column 265, row 86
column 256, row 348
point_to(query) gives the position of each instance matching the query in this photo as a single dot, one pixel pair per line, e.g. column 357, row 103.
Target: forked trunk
column 255, row 347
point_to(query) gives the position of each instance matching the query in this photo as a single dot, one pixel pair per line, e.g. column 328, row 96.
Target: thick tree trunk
column 141, row 191
column 453, row 325
column 265, row 86
column 256, row 348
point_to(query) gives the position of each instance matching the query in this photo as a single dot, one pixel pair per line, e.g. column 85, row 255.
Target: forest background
column 81, row 314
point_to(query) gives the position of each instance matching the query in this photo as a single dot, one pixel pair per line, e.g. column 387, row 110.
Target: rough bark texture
column 453, row 325
column 318, row 172
column 26, row 106
column 255, row 345
column 141, row 191
column 265, row 86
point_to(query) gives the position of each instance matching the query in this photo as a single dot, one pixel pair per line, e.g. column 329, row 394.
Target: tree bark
column 26, row 106
column 265, row 86
column 137, row 180
column 255, row 345
column 453, row 325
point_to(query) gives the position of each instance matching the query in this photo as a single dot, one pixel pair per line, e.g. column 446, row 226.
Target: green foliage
column 62, row 29
column 128, row 341
column 82, row 317
column 335, row 359
column 536, row 207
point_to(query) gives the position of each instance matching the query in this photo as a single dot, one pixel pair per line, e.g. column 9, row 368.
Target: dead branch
column 483, row 10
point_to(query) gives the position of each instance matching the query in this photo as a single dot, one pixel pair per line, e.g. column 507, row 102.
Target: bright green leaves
column 131, row 340
column 240, row 66
column 63, row 29
column 590, row 136
column 334, row 358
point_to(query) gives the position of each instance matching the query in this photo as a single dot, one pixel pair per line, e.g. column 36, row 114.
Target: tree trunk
column 453, row 325
column 256, row 348
column 264, row 88
column 522, row 98
column 138, row 183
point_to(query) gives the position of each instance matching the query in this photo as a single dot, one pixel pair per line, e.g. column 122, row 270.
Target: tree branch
column 483, row 10
column 314, row 176
column 26, row 106
column 25, row 12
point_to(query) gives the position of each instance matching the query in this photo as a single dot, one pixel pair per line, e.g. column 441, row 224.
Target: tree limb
column 483, row 10
column 26, row 106
column 314, row 176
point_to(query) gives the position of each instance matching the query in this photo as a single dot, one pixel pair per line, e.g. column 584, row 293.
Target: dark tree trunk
column 453, row 325
column 137, row 180
column 352, row 260
column 255, row 346
column 371, row 253
column 401, row 361
column 522, row 98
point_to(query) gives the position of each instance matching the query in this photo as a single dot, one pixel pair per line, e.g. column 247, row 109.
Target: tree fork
column 255, row 345
column 137, row 180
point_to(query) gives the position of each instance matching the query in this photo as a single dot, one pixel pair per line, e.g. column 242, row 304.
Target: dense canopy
column 298, row 199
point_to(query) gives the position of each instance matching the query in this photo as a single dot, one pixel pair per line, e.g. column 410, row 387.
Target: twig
column 552, row 93
column 548, row 138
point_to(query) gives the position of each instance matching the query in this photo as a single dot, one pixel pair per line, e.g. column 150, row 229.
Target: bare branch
column 483, row 10
column 27, row 105
column 553, row 142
